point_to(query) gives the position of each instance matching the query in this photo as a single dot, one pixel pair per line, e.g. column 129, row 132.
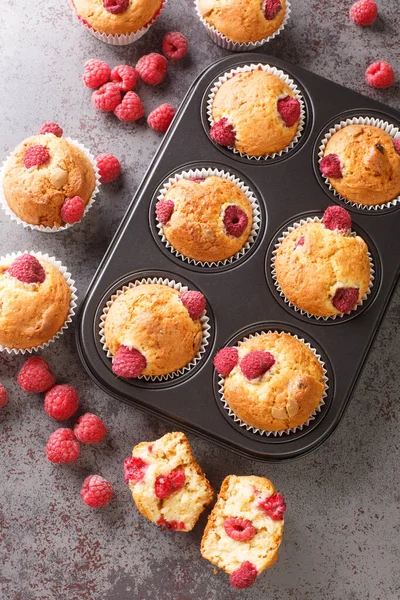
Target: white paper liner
column 176, row 285
column 224, row 42
column 5, row 206
column 388, row 127
column 273, row 71
column 283, row 431
column 296, row 308
column 201, row 174
column 8, row 259
column 123, row 39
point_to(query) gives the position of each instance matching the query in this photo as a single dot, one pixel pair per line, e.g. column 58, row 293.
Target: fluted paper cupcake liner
column 176, row 285
column 221, row 385
column 5, row 206
column 274, row 71
column 8, row 259
column 388, row 127
column 224, row 42
column 201, row 174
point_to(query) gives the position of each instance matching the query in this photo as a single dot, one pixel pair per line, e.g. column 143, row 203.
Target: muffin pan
column 241, row 296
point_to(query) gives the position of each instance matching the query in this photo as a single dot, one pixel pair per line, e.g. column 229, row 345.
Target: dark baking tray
column 241, row 297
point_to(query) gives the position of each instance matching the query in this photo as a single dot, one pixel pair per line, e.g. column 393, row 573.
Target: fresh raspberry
column 345, row 299
column 134, row 469
column 3, row 396
column 300, row 242
column 272, row 8
column 62, row 446
column 174, row 45
column 241, row 530
column 27, row 268
column 364, row 12
column 130, row 109
column 124, row 77
column 72, row 210
column 194, row 302
column 235, row 220
column 116, row 7
column 244, row 576
column 289, row 109
column 256, row 363
column 96, row 491
column 164, row 210
column 396, row 144
column 107, row 97
column 61, row 402
column 109, row 167
column 171, row 525
column 152, row 68
column 96, row 73
column 330, row 166
column 380, row 74
column 223, row 133
column 128, row 362
column 225, row 360
column 36, row 376
column 36, row 156
column 160, row 118
column 274, row 506
column 90, row 429
column 166, row 485
column 336, row 217
column 50, row 127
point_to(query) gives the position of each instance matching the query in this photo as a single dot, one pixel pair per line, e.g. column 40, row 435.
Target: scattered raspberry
column 96, row 491
column 128, row 362
column 160, row 118
column 152, row 68
column 235, row 220
column 256, row 363
column 300, row 242
column 241, row 530
column 134, row 469
column 96, row 73
column 62, row 446
column 272, row 8
column 289, row 109
column 27, row 269
column 36, row 376
column 90, row 429
column 130, row 109
column 124, row 77
column 72, row 210
column 364, row 12
column 164, row 210
column 194, row 302
column 50, row 127
column 3, row 396
column 223, row 133
column 35, row 156
column 175, row 45
column 61, row 402
column 109, row 167
column 171, row 525
column 396, row 144
column 330, row 166
column 336, row 217
column 116, row 7
column 107, row 97
column 225, row 360
column 166, row 485
column 244, row 576
column 274, row 506
column 380, row 74
column 345, row 299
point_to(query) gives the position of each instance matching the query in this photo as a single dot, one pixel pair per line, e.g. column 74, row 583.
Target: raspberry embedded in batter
column 128, row 362
column 166, row 485
column 272, row 9
column 116, row 7
column 171, row 525
column 241, row 530
column 235, row 220
column 27, row 269
column 164, row 210
column 225, row 360
column 223, row 133
column 300, row 242
column 194, row 302
column 345, row 299
column 330, row 166
column 256, row 363
column 274, row 506
column 289, row 110
column 244, row 576
column 337, row 218
column 134, row 469
column 36, row 156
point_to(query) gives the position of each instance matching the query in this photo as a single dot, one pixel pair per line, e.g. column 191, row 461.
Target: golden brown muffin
column 167, row 484
column 368, row 166
column 36, row 194
column 201, row 225
column 137, row 14
column 32, row 313
column 241, row 21
column 288, row 390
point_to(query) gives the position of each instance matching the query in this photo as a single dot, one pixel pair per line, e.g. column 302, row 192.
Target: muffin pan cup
column 242, row 298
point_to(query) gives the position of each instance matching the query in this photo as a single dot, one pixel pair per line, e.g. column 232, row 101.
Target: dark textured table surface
column 342, row 529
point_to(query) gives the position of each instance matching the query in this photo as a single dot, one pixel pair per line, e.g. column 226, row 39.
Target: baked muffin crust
column 136, row 16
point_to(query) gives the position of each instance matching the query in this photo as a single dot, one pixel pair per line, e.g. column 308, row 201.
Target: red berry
column 364, row 12
column 330, row 166
column 152, row 68
column 235, row 220
column 96, row 491
column 160, row 118
column 244, row 576
column 124, row 77
column 62, row 446
column 254, row 364
column 109, row 167
column 174, row 45
column 134, row 469
column 171, row 525
column 194, row 302
column 166, row 485
column 107, row 97
column 177, row 478
column 241, row 530
column 50, row 127
column 35, row 156
column 36, row 376
column 130, row 109
column 274, row 506
column 336, row 217
column 116, row 7
column 72, row 210
column 300, row 242
column 272, row 8
column 61, row 402
column 129, row 363
column 27, row 268
column 197, row 179
column 3, row 396
column 96, row 73
column 164, row 210
column 289, row 109
column 396, row 144
column 345, row 299
column 90, row 429
column 226, row 360
column 223, row 133
column 380, row 74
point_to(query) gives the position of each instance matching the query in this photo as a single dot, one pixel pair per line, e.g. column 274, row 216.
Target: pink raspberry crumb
column 96, row 73
column 96, row 491
column 300, row 242
column 3, row 396
column 241, row 530
column 396, row 144
column 27, row 269
column 274, row 506
column 36, row 376
column 171, row 525
column 289, row 110
column 254, row 364
column 164, row 210
column 225, row 360
column 90, row 429
column 61, row 402
column 160, row 118
column 124, row 77
column 134, row 469
column 244, row 576
column 116, row 7
column 272, row 9
column 194, row 302
column 130, row 109
column 223, row 133
column 364, row 12
column 109, row 167
column 129, row 363
column 50, row 127
column 235, row 221
column 380, row 74
column 174, row 45
column 62, row 446
column 330, row 166
column 337, row 217
column 72, row 210
column 36, row 156
column 152, row 68
column 106, row 98
column 345, row 299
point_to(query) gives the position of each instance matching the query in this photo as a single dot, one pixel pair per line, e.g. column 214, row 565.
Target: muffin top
column 41, row 173
column 243, row 21
column 117, row 17
column 323, row 271
column 276, row 382
column 34, row 301
column 207, row 219
column 259, row 110
column 362, row 165
column 155, row 327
